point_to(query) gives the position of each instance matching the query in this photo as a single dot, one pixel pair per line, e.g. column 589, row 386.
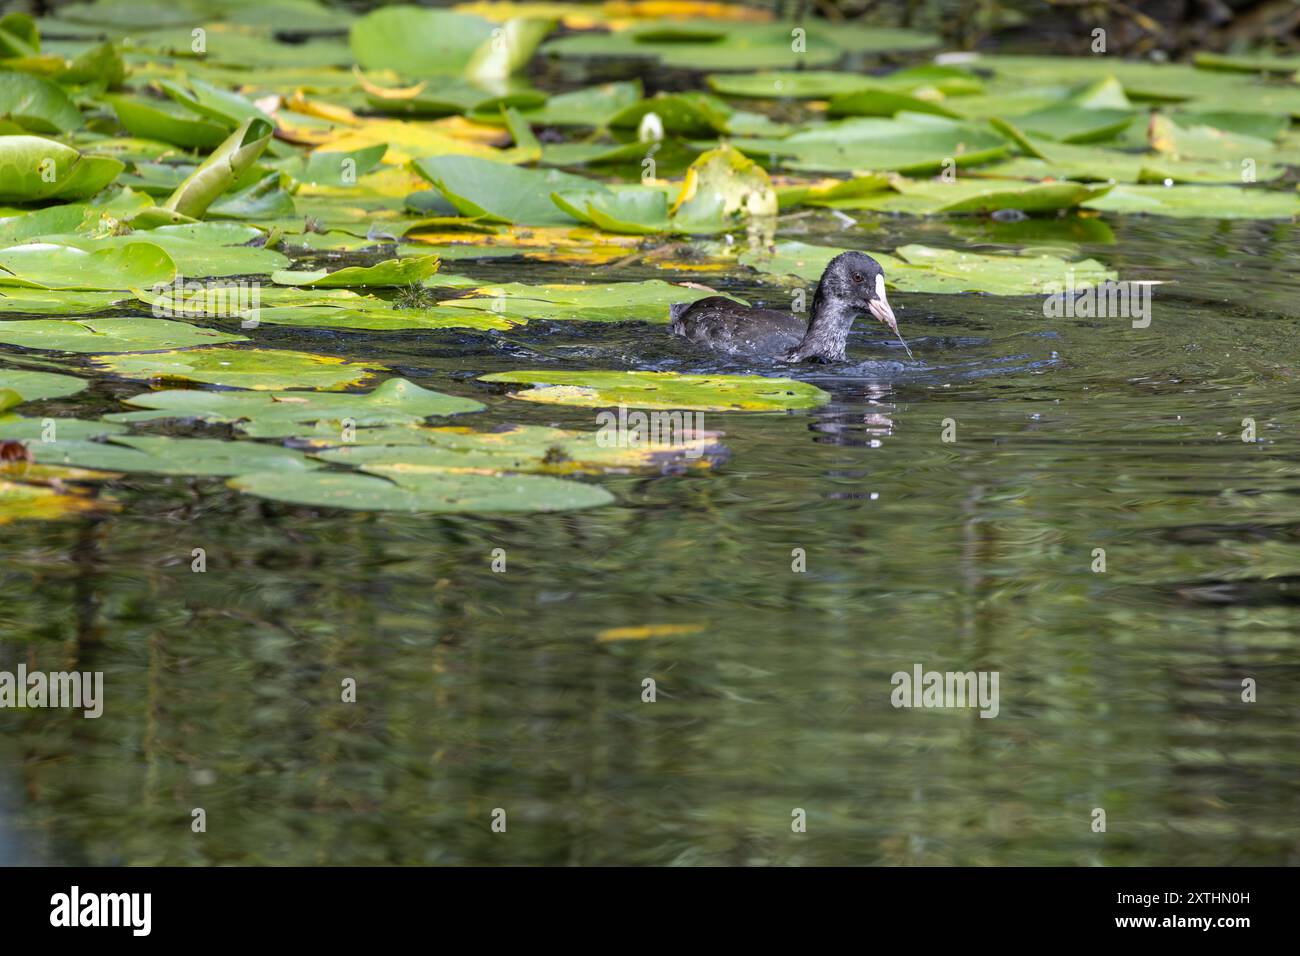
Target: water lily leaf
column 397, row 452
column 281, row 414
column 1070, row 123
column 1210, row 202
column 20, row 502
column 44, row 265
column 724, row 186
column 498, row 193
column 691, row 114
column 1206, row 142
column 590, row 154
column 33, row 168
column 109, row 335
column 510, row 48
column 19, row 36
column 174, row 456
column 431, row 492
column 17, row 428
column 199, row 250
column 647, row 301
column 258, row 369
column 917, row 268
column 738, row 46
column 666, row 390
column 390, row 272
column 968, row 195
column 830, row 192
column 19, row 301
column 220, row 170
column 824, row 84
column 211, row 102
column 33, row 386
column 327, row 168
column 882, row 101
column 37, row 104
column 909, row 143
column 164, row 120
column 592, row 106
column 421, row 42
column 263, row 200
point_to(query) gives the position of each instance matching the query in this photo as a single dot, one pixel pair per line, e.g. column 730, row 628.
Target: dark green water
column 477, row 690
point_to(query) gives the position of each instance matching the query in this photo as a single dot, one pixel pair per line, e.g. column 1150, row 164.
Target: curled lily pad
column 219, row 171
column 280, row 414
column 33, row 168
column 665, row 390
column 37, row 104
column 259, row 369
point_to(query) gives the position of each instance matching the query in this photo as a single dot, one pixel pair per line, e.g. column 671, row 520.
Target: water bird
column 851, row 284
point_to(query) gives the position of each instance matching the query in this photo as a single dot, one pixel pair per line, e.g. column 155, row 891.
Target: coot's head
column 856, row 279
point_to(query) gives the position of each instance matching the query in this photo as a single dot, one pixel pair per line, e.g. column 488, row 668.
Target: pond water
column 478, row 690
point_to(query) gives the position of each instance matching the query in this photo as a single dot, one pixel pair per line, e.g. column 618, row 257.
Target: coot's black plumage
column 852, row 283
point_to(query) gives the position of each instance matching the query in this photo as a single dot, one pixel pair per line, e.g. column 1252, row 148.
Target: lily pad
column 496, row 192
column 33, row 386
column 258, row 369
column 1209, row 202
column 174, row 456
column 432, row 492
column 281, row 414
column 390, row 272
column 109, row 335
column 33, row 169
column 665, row 390
column 43, row 265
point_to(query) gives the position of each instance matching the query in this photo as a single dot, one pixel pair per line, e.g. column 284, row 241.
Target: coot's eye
column 857, row 277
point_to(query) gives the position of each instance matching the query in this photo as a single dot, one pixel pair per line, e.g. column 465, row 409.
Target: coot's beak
column 879, row 306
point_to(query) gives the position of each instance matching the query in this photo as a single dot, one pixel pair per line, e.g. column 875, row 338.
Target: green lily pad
column 390, row 272
column 646, row 301
column 42, row 265
column 33, row 386
column 258, row 369
column 592, row 106
column 221, row 170
column 917, row 268
column 167, row 121
column 666, row 390
column 969, row 195
column 174, row 456
column 17, row 428
column 740, row 46
column 400, row 452
column 420, row 42
column 909, row 143
column 38, row 105
column 432, row 492
column 496, row 192
column 690, row 114
column 824, row 84
column 281, row 414
column 109, row 335
column 1209, row 202
column 33, row 169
